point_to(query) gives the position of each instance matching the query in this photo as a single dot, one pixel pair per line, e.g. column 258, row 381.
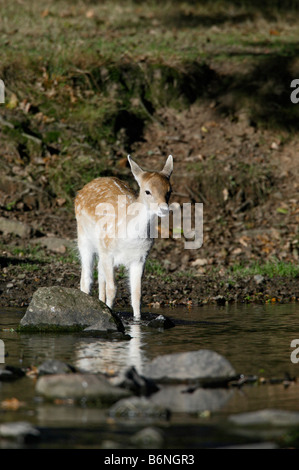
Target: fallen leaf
column 122, row 162
column 12, row 404
column 60, row 201
column 13, row 102
column 282, row 210
column 89, row 14
column 244, row 241
column 64, row 401
column 25, row 106
column 199, row 262
column 274, row 146
column 45, row 13
column 32, row 373
column 225, row 194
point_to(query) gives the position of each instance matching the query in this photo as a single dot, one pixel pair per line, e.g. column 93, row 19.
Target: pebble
column 149, row 438
column 18, row 429
column 258, row 278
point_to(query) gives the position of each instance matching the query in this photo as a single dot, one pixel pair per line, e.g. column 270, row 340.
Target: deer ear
column 136, row 170
column 168, row 167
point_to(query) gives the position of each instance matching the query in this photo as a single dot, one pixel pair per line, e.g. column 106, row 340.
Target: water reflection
column 101, row 355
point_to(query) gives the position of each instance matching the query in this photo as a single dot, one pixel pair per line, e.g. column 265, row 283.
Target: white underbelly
column 131, row 251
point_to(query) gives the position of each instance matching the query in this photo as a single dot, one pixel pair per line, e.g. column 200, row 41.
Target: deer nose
column 163, row 209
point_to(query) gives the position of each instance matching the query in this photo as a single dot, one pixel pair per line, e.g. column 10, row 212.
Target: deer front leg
column 108, row 275
column 136, row 272
column 87, row 258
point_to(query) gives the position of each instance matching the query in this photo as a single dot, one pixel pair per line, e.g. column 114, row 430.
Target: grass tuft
column 270, row 269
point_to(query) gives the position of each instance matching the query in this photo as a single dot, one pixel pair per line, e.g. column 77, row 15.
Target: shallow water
column 256, row 339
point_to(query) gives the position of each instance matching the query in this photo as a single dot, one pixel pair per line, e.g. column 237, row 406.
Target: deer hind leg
column 136, row 272
column 87, row 260
column 107, row 273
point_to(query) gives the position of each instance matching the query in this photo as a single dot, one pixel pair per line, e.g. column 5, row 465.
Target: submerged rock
column 53, row 366
column 79, row 386
column 161, row 322
column 149, row 438
column 62, row 308
column 179, row 400
column 19, row 430
column 138, row 407
column 194, row 366
column 266, row 417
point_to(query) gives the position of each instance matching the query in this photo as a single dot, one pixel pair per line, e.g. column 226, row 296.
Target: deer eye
column 147, row 192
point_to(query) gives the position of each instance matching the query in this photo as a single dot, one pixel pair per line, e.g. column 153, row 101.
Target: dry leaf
column 13, row 102
column 64, row 401
column 122, row 162
column 225, row 194
column 12, row 404
column 60, row 201
column 89, row 14
column 244, row 240
column 45, row 13
column 32, row 373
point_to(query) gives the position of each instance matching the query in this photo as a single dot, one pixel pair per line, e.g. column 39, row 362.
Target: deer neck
column 140, row 216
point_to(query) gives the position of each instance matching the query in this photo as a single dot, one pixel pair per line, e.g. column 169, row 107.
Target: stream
column 256, row 339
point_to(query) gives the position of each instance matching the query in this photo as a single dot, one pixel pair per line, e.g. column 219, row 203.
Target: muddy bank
column 171, row 289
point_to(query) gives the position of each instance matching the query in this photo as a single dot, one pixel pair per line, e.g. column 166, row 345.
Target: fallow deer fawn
column 114, row 224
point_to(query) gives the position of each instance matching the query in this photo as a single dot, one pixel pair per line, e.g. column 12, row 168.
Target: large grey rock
column 57, row 308
column 78, row 386
column 194, row 366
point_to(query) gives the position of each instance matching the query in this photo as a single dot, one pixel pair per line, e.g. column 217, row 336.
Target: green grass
column 33, row 256
column 270, row 269
column 153, row 266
